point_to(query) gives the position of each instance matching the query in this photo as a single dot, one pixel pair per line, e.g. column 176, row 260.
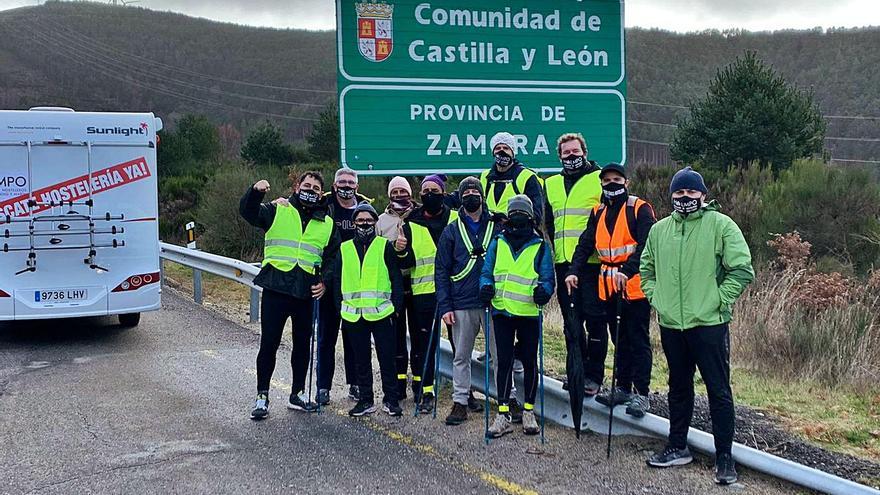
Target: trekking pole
column 488, row 358
column 312, row 348
column 541, row 355
column 434, row 327
column 614, row 373
column 437, row 366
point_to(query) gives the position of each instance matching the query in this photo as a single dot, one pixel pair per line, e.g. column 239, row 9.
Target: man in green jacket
column 695, row 264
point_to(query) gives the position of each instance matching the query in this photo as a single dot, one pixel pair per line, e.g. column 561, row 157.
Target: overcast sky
column 674, row 15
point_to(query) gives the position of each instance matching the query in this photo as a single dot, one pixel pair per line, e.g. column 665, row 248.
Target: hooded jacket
column 296, row 282
column 694, row 268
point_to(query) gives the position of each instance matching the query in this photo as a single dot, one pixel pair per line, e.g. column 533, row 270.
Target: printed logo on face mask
column 345, row 192
column 502, row 160
column 613, row 190
column 573, row 162
column 685, row 205
column 307, row 197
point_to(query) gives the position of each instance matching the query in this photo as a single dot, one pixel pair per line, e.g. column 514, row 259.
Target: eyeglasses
column 364, row 222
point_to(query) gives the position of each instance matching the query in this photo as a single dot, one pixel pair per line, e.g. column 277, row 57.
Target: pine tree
column 750, row 114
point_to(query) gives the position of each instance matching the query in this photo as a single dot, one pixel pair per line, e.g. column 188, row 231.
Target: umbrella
column 574, row 369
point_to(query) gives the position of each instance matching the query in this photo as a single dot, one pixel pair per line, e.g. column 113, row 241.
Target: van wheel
column 129, row 320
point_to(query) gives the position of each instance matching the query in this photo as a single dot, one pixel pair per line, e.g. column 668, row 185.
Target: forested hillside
column 100, row 57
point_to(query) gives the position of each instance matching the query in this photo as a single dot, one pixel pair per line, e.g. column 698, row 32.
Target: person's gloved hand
column 487, row 292
column 540, row 295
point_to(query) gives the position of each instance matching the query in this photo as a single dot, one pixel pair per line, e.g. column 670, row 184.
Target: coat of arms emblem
column 374, row 28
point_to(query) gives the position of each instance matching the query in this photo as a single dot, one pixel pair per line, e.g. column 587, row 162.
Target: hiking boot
column 502, row 426
column 725, row 470
column 353, row 393
column 323, row 397
column 530, row 424
column 671, row 456
column 620, row 396
column 565, row 384
column 638, row 406
column 363, row 407
column 516, row 412
column 474, row 405
column 591, row 388
column 392, row 408
column 261, row 407
column 458, row 415
column 426, row 406
column 298, row 403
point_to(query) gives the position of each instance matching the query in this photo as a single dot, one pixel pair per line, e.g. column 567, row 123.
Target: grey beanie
column 520, row 202
column 367, row 207
column 469, row 183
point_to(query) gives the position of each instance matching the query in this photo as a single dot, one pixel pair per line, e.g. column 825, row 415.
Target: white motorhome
column 79, row 227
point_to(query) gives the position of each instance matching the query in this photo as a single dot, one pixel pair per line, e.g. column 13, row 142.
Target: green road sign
column 517, row 42
column 423, row 85
column 418, row 129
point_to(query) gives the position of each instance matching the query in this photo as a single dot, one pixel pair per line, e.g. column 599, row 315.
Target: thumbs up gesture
column 401, row 242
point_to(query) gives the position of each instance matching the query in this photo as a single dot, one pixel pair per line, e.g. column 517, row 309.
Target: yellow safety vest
column 366, row 287
column 287, row 246
column 515, row 279
column 571, row 212
column 424, row 251
column 517, row 187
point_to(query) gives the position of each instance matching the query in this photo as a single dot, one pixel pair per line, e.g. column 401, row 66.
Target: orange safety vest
column 614, row 249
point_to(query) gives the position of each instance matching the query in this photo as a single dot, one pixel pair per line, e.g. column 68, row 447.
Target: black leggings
column 276, row 308
column 525, row 331
column 382, row 332
column 327, row 337
column 403, row 357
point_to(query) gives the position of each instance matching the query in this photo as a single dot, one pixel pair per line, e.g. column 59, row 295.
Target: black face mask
column 472, row 203
column 433, row 202
column 613, row 191
column 365, row 232
column 574, row 163
column 503, row 161
column 345, row 192
column 519, row 221
column 686, row 205
column 308, row 198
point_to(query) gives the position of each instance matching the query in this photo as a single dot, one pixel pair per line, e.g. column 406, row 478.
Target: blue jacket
column 543, row 266
column 452, row 256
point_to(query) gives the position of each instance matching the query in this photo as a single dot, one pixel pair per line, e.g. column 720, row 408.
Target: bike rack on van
column 60, row 220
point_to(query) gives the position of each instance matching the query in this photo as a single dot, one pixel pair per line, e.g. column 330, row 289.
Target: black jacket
column 587, row 241
column 568, row 180
column 533, row 187
column 393, row 271
column 296, row 282
column 342, row 215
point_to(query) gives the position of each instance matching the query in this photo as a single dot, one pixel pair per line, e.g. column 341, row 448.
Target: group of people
column 501, row 245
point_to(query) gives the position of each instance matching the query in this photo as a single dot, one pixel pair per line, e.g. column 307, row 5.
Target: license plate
column 56, row 296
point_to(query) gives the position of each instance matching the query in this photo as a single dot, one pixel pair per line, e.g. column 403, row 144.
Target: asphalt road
column 87, row 407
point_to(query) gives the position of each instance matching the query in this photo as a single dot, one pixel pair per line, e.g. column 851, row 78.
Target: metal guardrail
column 557, row 410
